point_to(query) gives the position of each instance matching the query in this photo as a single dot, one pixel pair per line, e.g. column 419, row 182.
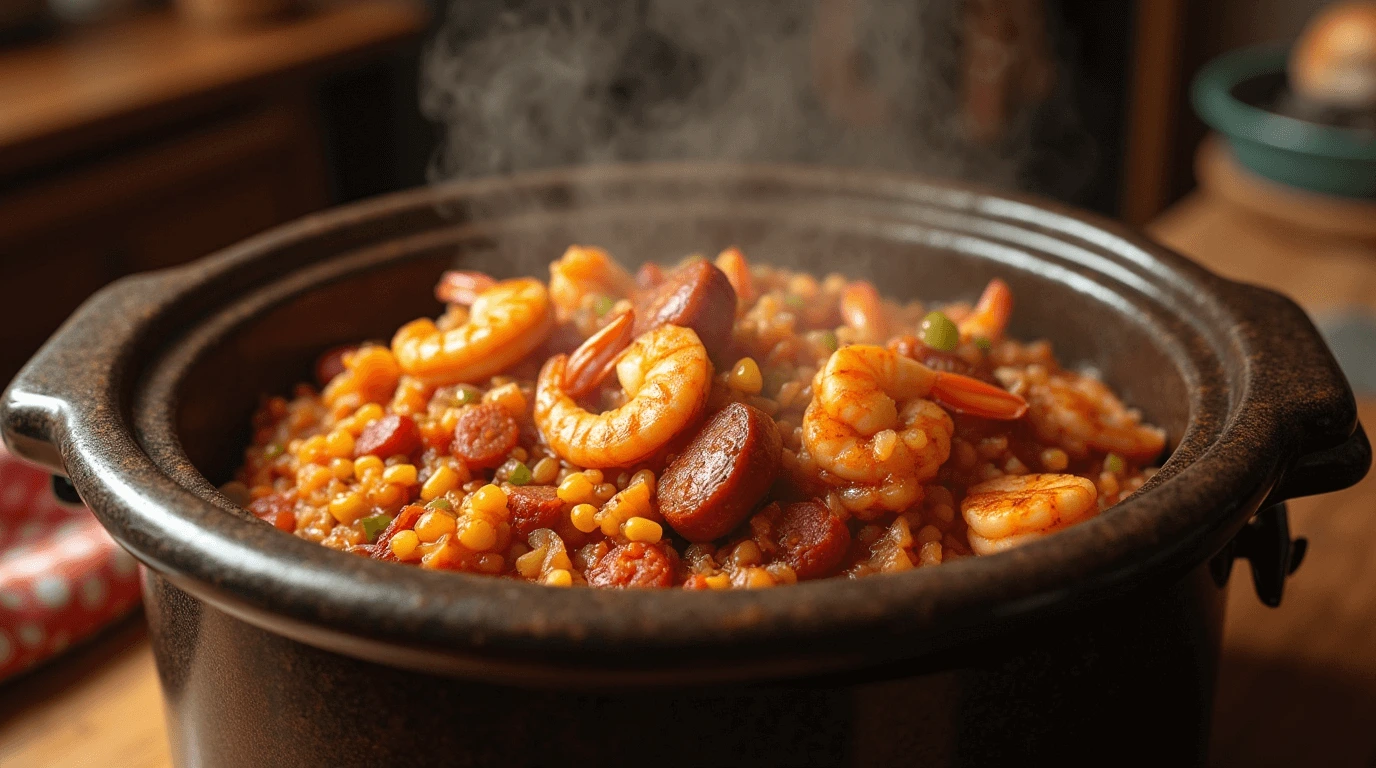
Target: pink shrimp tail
column 457, row 287
column 594, row 360
column 967, row 395
column 990, row 316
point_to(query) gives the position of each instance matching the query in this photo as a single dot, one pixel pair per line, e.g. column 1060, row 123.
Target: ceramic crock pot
column 1097, row 644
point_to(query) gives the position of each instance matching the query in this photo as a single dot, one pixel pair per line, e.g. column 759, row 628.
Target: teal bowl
column 1313, row 156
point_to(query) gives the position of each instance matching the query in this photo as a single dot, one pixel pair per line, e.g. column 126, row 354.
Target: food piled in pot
column 714, row 425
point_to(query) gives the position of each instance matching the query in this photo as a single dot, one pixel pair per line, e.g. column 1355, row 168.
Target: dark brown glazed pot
column 1097, row 643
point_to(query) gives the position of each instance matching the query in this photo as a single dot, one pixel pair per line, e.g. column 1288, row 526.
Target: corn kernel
column 636, row 499
column 401, row 474
column 594, row 475
column 449, row 419
column 387, row 495
column 313, row 451
column 645, row 476
column 342, row 469
column 339, row 443
column 311, row 477
column 603, row 492
column 434, row 524
column 488, row 499
column 720, row 581
column 928, row 533
column 1055, row 459
column 584, row 517
column 444, row 480
column 404, row 544
column 478, row 535
column 745, row 377
column 528, row 565
column 559, row 577
column 747, row 553
column 640, row 529
column 576, row 489
column 348, row 507
column 544, row 471
column 491, row 563
column 366, row 413
column 364, row 464
column 509, row 397
column 758, row 578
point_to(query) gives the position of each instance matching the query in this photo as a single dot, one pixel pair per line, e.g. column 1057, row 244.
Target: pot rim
column 70, row 408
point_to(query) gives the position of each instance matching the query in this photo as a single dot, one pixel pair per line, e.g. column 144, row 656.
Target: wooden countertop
column 1298, row 684
column 121, row 78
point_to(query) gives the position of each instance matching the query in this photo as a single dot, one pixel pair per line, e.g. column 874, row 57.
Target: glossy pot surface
column 143, row 398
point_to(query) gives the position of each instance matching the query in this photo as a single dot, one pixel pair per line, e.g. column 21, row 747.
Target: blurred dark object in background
column 148, row 142
column 23, row 20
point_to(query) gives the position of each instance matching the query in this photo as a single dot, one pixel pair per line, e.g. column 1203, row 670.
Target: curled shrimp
column 863, row 310
column 732, row 263
column 505, row 323
column 1011, row 510
column 873, row 419
column 990, row 315
column 1080, row 413
column 666, row 377
column 463, row 288
column 584, row 272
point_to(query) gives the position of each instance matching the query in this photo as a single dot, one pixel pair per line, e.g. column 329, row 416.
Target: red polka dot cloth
column 62, row 577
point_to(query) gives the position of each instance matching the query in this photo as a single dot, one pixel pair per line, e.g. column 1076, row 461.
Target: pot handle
column 78, row 369
column 1301, row 387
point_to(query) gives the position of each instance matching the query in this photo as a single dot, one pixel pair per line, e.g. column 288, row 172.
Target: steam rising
column 595, row 81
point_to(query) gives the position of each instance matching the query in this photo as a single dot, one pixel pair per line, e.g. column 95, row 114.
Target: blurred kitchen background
column 139, row 134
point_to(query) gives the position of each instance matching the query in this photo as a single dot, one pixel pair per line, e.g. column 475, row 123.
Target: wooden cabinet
column 150, row 144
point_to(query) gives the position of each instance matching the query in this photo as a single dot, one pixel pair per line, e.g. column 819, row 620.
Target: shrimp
column 1080, row 413
column 863, row 310
column 732, row 263
column 856, row 428
column 504, row 324
column 990, row 316
column 463, row 288
column 666, row 377
column 585, row 272
column 1011, row 510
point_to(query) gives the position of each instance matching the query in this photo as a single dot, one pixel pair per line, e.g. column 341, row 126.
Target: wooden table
column 1298, row 685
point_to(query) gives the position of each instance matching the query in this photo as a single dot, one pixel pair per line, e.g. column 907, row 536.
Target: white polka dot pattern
column 61, row 577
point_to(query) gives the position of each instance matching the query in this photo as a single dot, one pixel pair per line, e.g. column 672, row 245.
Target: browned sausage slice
column 389, row 436
column 696, row 296
column 635, row 564
column 812, row 540
column 484, row 435
column 722, row 474
column 331, row 363
column 534, row 507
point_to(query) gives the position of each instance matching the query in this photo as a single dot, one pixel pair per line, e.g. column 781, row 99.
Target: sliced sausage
column 331, row 363
column 649, row 276
column 484, row 435
column 811, row 539
column 390, row 435
column 277, row 509
column 534, row 507
column 635, row 564
column 696, row 296
column 722, row 473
